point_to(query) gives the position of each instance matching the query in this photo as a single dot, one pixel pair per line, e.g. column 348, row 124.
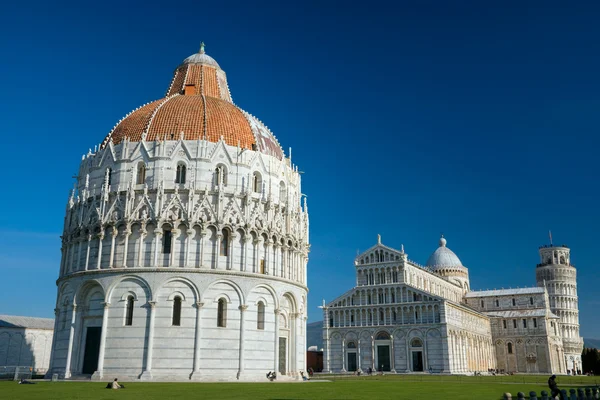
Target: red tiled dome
column 198, row 103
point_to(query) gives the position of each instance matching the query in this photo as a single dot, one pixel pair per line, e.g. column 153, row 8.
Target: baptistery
column 185, row 245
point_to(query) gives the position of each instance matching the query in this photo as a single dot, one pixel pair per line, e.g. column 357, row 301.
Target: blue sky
column 477, row 119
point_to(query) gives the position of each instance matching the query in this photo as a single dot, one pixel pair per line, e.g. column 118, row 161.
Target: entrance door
column 282, row 355
column 383, row 358
column 92, row 348
column 351, row 361
column 417, row 361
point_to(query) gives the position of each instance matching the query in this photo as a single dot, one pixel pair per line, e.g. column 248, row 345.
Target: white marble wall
column 25, row 347
column 152, row 348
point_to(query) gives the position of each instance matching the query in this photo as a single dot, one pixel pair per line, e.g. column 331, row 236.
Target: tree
column 590, row 358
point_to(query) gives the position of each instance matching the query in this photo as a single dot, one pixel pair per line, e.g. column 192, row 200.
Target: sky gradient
column 479, row 120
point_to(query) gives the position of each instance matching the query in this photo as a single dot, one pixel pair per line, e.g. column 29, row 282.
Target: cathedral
column 408, row 318
column 185, row 245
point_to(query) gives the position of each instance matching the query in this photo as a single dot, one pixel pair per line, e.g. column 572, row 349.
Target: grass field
column 412, row 387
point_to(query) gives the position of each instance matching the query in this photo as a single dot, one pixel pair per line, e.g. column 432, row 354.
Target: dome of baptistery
column 185, row 245
column 444, row 262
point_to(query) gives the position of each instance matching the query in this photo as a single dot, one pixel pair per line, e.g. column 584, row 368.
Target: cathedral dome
column 443, row 257
column 197, row 106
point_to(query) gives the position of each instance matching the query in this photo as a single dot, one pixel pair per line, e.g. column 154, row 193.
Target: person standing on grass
column 554, row 388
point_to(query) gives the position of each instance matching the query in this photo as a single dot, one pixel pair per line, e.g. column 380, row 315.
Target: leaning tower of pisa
column 559, row 276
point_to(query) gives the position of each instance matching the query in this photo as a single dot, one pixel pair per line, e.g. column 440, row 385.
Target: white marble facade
column 25, row 342
column 405, row 317
column 184, row 259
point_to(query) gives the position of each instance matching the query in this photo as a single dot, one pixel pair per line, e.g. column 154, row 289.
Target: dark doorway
column 351, row 361
column 383, row 358
column 92, row 348
column 417, row 361
column 282, row 353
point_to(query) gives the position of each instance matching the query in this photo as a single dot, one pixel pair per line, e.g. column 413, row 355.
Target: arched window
column 176, row 311
column 382, row 336
column 129, row 311
column 141, row 173
column 260, row 317
column 224, row 248
column 416, row 343
column 330, row 319
column 531, row 300
column 222, row 313
column 282, row 192
column 514, row 302
column 351, row 345
column 256, row 183
column 221, row 175
column 167, row 239
column 497, row 303
column 180, row 174
column 510, row 349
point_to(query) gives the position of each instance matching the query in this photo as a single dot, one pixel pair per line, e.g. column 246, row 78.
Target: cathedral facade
column 185, row 245
column 405, row 317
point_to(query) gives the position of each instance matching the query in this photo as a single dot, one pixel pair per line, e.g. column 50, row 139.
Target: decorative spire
column 378, row 239
column 201, row 48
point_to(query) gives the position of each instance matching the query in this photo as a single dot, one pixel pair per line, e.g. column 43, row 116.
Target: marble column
column 255, row 252
column 359, row 355
column 243, row 309
column 268, row 257
column 276, row 350
column 100, row 239
column 147, row 374
column 174, row 235
column 197, row 342
column 140, row 257
column 217, row 250
column 70, row 346
column 113, row 232
column 373, row 353
column 230, row 253
column 87, row 254
column 202, row 240
column 343, row 355
column 100, row 369
column 393, row 354
column 157, row 235
column 126, row 234
column 80, row 241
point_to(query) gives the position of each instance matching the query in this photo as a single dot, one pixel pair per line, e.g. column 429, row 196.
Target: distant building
column 404, row 317
column 25, row 342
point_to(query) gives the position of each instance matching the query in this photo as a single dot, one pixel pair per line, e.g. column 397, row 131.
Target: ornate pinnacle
column 201, row 48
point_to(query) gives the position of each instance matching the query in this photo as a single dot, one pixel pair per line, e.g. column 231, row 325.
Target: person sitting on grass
column 271, row 375
column 115, row 385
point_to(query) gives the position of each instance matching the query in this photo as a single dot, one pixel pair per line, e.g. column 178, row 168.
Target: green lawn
column 343, row 388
